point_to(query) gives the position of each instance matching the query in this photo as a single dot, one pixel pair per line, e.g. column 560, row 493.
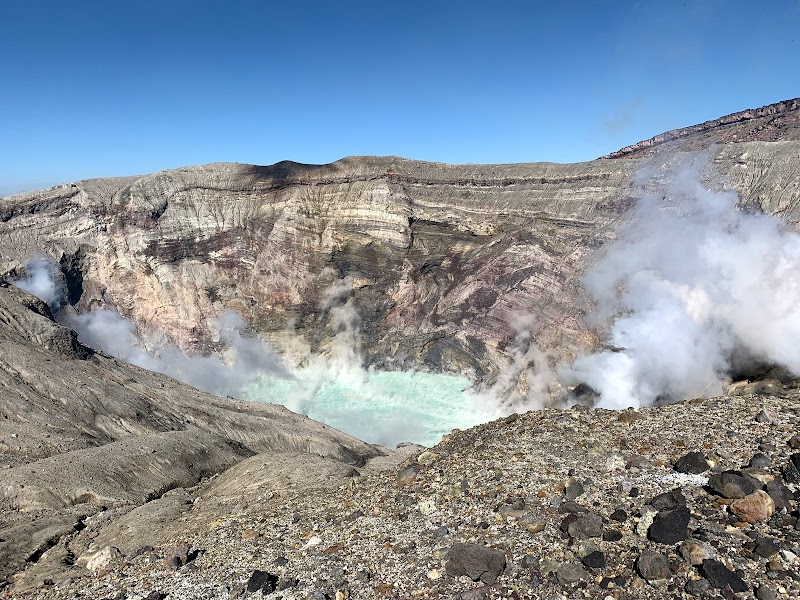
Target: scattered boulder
column 571, row 573
column 693, row 463
column 768, row 417
column 645, row 521
column 618, row 515
column 698, row 587
column 594, row 560
column 791, row 472
column 570, row 507
column 100, row 560
column 766, row 547
column 653, row 566
column 407, row 475
column 766, row 593
column 721, row 577
column 731, row 484
column 574, row 490
column 588, row 525
column 262, row 581
column 759, row 460
column 669, row 500
column 612, row 535
column 695, row 552
column 177, row 555
column 670, row 526
column 427, row 458
column 754, row 508
column 780, row 494
column 476, row 562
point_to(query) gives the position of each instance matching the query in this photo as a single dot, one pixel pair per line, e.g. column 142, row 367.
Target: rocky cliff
column 440, row 260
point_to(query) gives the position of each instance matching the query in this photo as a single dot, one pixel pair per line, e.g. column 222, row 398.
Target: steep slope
column 80, row 432
column 775, row 122
column 440, row 260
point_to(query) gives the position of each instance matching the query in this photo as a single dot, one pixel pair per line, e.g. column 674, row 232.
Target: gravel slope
column 510, row 485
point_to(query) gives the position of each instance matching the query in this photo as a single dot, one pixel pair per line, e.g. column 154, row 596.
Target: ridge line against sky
column 96, row 89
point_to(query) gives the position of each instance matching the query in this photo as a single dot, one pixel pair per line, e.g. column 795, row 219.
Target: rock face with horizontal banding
column 439, row 261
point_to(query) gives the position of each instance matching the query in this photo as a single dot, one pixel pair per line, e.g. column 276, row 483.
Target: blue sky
column 101, row 88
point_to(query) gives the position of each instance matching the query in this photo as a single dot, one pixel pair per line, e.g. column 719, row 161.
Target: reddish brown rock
column 754, row 508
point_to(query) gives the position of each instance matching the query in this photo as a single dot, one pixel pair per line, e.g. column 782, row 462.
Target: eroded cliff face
column 440, row 260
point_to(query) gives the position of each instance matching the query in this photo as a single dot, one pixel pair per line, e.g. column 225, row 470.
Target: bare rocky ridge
column 551, row 504
column 80, row 432
column 775, row 122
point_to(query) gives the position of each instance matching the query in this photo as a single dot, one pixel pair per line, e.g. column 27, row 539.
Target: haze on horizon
column 95, row 89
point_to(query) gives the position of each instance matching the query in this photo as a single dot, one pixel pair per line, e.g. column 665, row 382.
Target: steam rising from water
column 693, row 286
column 692, row 289
column 378, row 407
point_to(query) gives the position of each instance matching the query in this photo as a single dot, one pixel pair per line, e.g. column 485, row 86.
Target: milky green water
column 379, row 407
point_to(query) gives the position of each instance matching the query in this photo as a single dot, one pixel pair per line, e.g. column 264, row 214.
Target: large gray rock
column 476, row 562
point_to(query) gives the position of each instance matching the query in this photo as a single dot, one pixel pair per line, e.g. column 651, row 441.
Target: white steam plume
column 243, row 360
column 40, row 280
column 525, row 383
column 693, row 285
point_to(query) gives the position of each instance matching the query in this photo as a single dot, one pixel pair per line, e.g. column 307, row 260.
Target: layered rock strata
column 775, row 122
column 439, row 261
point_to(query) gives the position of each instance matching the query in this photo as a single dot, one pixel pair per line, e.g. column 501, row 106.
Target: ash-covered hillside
column 119, row 482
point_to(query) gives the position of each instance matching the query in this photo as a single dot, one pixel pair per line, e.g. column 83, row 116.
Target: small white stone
column 644, row 523
column 427, row 507
column 615, row 462
column 314, row 540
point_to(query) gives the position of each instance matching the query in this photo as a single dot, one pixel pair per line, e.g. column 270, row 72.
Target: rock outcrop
column 775, row 122
column 439, row 260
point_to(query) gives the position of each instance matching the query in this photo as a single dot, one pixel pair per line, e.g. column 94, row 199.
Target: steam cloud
column 695, row 288
column 243, row 360
column 40, row 281
column 332, row 386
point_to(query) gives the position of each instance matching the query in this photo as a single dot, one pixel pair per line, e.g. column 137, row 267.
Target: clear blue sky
column 92, row 89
